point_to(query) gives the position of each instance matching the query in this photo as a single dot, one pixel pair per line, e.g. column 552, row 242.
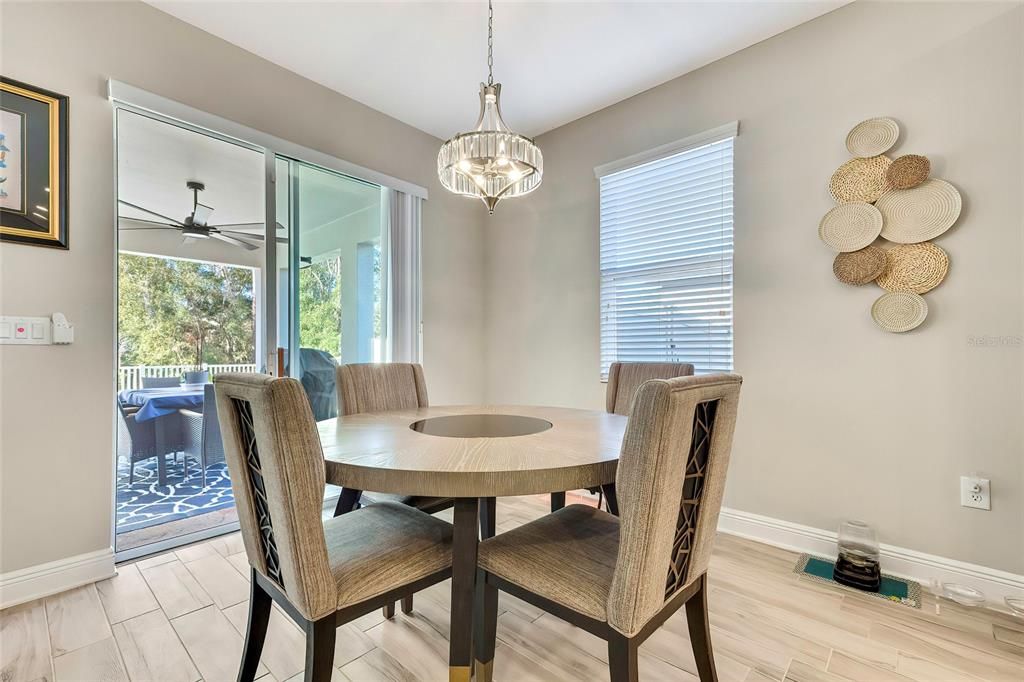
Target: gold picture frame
column 33, row 165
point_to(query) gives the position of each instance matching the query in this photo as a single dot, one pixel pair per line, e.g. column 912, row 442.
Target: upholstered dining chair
column 379, row 388
column 322, row 574
column 624, row 378
column 621, row 577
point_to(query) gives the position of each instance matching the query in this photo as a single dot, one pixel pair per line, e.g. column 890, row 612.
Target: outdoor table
column 472, row 453
column 162, row 404
column 157, row 402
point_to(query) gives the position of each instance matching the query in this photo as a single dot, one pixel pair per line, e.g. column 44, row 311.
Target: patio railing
column 131, row 377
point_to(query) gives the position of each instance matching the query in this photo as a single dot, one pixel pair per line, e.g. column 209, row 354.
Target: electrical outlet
column 975, row 493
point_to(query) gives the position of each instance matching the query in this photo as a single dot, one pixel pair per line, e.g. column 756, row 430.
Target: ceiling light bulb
column 465, row 165
column 502, row 161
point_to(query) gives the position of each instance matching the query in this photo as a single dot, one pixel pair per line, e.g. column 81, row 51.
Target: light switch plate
column 26, row 331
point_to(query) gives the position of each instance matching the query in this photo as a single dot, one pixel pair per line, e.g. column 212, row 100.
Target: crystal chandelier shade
column 490, row 162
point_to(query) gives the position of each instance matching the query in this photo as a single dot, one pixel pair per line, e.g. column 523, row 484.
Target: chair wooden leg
column 557, row 501
column 256, row 632
column 623, row 659
column 407, row 604
column 389, row 610
column 485, row 626
column 320, row 649
column 700, row 632
column 488, row 517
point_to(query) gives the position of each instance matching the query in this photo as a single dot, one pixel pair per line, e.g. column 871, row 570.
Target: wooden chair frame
column 622, row 650
column 320, row 634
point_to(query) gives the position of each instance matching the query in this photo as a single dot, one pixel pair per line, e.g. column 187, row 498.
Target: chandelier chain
column 490, row 42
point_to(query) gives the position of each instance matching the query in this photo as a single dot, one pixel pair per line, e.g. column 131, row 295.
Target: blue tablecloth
column 157, row 402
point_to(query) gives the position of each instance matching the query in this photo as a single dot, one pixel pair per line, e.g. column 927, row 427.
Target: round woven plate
column 899, row 312
column 872, row 137
column 860, row 180
column 859, row 267
column 850, row 227
column 917, row 268
column 908, row 171
column 919, row 214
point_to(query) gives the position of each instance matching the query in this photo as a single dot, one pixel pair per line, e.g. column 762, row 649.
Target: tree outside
column 320, row 306
column 179, row 312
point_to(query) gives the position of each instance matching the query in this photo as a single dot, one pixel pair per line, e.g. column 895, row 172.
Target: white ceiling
column 421, row 62
column 155, row 159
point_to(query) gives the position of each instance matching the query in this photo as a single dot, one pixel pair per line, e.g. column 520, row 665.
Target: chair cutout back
column 277, row 475
column 380, row 387
column 624, row 378
column 670, row 481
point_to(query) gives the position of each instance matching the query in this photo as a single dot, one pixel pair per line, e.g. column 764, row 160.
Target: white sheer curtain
column 401, row 278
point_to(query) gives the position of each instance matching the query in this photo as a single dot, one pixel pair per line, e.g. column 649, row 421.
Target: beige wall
column 56, row 403
column 837, row 419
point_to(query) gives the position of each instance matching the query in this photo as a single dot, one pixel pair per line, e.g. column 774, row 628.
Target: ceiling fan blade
column 247, row 235
column 201, row 214
column 236, row 242
column 252, row 225
column 144, row 222
column 136, row 229
column 146, row 210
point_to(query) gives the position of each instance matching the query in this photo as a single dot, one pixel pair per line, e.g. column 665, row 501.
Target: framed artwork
column 33, row 165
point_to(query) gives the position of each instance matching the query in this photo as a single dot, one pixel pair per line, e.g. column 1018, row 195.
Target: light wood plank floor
column 181, row 616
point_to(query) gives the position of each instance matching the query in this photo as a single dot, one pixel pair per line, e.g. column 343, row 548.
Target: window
column 666, row 255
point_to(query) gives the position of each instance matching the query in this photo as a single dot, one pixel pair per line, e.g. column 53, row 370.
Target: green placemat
column 893, row 589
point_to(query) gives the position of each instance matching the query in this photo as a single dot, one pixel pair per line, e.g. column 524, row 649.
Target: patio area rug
column 146, row 503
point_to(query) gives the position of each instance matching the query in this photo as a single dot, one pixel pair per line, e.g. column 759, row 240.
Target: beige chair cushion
column 624, row 378
column 567, row 557
column 382, row 547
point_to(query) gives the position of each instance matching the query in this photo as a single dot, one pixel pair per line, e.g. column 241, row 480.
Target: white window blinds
column 666, row 257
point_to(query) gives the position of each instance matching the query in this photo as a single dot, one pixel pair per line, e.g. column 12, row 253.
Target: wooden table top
column 379, row 452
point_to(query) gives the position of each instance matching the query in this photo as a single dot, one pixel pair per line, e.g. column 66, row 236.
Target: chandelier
column 491, row 162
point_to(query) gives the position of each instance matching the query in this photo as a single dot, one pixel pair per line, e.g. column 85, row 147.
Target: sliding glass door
column 329, row 269
column 237, row 252
column 190, row 249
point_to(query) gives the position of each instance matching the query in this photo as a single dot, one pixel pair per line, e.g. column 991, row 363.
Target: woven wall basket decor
column 850, row 227
column 860, row 180
column 909, row 170
column 919, row 214
column 899, row 312
column 917, row 268
column 872, row 137
column 859, row 267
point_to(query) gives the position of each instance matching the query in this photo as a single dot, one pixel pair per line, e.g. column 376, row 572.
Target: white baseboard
column 26, row 584
column 898, row 561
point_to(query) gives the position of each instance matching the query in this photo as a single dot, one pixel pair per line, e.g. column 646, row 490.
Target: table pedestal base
column 465, row 543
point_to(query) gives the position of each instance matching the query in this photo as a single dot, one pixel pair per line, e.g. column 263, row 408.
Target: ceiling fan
column 196, row 225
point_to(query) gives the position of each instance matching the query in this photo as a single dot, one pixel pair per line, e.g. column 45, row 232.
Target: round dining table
column 473, row 453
